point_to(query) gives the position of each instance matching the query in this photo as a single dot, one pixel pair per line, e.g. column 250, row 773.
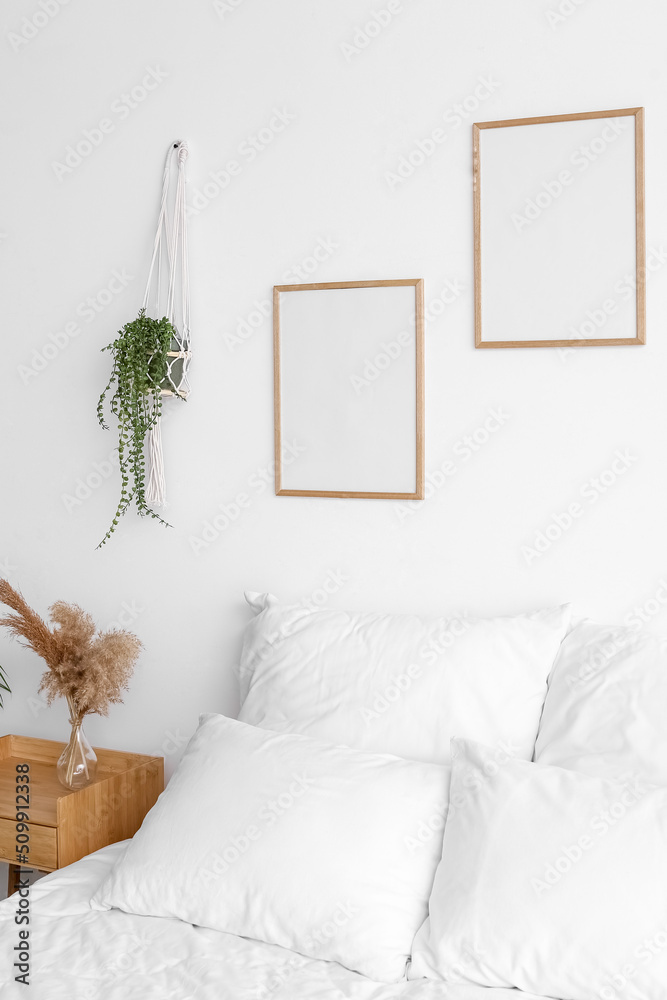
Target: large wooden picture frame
column 349, row 389
column 560, row 246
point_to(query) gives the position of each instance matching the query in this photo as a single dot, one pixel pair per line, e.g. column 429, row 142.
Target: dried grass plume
column 89, row 668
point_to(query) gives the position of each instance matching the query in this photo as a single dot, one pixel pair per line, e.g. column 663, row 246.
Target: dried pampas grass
column 89, row 668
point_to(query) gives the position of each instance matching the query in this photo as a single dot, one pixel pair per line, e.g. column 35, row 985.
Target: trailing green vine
column 140, row 354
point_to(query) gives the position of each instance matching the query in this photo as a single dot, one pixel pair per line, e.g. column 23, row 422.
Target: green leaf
column 140, row 364
column 4, row 686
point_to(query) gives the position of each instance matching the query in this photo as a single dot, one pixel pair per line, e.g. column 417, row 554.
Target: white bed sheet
column 83, row 954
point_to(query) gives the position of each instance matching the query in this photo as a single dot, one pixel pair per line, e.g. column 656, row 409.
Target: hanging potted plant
column 140, row 367
column 151, row 359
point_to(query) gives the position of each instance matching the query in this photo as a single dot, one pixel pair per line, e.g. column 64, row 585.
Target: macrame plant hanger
column 169, row 269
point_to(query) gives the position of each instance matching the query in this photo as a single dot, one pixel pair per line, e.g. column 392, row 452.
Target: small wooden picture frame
column 560, row 246
column 349, row 389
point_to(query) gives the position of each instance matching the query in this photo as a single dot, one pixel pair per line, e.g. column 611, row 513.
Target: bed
column 81, row 954
column 406, row 807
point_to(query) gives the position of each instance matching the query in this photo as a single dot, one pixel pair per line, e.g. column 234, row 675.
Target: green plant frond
column 4, row 686
column 140, row 364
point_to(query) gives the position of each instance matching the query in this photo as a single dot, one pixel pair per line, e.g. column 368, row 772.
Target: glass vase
column 77, row 764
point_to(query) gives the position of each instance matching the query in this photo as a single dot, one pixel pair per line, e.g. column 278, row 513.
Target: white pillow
column 397, row 683
column 550, row 881
column 323, row 850
column 606, row 709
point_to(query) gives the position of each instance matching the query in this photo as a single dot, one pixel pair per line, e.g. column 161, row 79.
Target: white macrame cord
column 169, row 269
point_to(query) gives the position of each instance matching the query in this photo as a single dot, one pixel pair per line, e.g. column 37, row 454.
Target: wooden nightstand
column 66, row 825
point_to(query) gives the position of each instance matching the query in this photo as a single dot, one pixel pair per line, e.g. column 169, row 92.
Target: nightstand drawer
column 43, row 845
column 67, row 824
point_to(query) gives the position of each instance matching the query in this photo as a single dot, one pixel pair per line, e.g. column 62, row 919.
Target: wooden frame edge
column 277, row 443
column 419, row 390
column 350, row 495
column 640, row 231
column 477, row 230
column 641, row 226
column 317, row 286
column 550, row 119
column 616, row 342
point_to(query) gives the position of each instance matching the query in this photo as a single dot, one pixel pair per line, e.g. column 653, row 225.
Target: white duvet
column 83, row 954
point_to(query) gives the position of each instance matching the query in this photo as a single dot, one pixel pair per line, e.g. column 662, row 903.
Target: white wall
column 323, row 180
